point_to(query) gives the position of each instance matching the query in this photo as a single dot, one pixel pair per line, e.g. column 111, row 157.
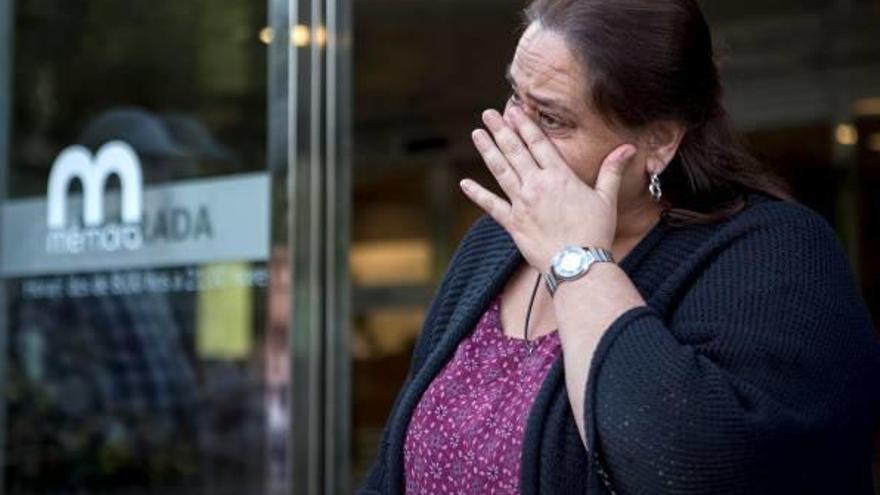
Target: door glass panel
column 141, row 355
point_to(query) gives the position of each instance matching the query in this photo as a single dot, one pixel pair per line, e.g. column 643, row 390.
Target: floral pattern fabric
column 466, row 433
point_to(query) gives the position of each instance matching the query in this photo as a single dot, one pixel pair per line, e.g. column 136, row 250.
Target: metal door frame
column 311, row 134
column 6, row 53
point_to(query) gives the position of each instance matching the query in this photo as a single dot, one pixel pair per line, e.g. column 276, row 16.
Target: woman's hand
column 550, row 207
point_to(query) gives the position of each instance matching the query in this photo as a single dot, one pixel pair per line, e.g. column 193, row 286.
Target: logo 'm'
column 115, row 157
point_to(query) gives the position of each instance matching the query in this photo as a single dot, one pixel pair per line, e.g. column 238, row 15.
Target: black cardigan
column 754, row 367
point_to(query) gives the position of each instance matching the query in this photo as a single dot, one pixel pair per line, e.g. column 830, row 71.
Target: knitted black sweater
column 754, row 368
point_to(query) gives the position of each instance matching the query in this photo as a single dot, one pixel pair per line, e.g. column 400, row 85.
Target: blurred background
column 276, row 373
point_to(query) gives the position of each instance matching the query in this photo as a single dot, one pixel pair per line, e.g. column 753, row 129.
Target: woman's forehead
column 544, row 66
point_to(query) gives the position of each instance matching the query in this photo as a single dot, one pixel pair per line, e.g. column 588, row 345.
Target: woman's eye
column 546, row 121
column 549, row 122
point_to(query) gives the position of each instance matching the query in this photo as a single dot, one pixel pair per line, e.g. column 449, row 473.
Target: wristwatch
column 572, row 263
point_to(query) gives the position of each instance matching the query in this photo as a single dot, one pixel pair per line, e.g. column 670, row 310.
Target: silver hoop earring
column 654, row 188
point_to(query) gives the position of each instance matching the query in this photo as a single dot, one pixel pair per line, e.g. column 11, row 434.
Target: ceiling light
column 266, row 35
column 846, row 134
column 300, row 35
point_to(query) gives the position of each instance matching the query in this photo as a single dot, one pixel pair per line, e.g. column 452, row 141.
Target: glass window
column 146, row 349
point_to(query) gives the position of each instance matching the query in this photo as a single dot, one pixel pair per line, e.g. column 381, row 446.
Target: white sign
column 188, row 222
column 115, row 157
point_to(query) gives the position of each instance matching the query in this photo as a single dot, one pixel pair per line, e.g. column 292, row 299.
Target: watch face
column 571, row 261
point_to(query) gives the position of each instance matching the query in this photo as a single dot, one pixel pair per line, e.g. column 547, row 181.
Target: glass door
column 172, row 246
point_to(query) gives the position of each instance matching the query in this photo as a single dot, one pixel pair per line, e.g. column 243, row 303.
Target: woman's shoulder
column 765, row 208
column 777, row 243
column 771, row 243
column 783, row 225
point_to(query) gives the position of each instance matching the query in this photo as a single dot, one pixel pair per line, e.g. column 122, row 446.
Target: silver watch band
column 553, row 280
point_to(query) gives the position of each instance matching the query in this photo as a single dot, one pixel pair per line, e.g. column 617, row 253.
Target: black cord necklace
column 529, row 345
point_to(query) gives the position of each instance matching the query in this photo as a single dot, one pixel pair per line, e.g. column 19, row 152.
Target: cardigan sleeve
column 763, row 379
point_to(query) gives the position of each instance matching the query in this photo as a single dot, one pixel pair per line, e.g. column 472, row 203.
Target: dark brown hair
column 652, row 60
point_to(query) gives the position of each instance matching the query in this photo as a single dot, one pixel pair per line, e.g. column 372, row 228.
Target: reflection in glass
column 142, row 379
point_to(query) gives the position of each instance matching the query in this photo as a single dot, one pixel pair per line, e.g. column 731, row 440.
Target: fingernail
column 627, row 153
column 465, row 184
column 516, row 114
column 480, row 139
column 492, row 120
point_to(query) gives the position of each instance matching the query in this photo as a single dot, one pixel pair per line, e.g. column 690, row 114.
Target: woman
column 647, row 311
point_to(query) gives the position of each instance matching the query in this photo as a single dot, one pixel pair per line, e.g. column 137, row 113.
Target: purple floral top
column 466, row 433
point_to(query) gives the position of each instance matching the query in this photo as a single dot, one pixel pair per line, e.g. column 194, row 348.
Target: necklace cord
column 529, row 313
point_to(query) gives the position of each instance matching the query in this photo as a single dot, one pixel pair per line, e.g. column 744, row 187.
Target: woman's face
column 550, row 86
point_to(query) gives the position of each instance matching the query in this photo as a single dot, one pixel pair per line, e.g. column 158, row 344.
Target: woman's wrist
column 605, row 292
